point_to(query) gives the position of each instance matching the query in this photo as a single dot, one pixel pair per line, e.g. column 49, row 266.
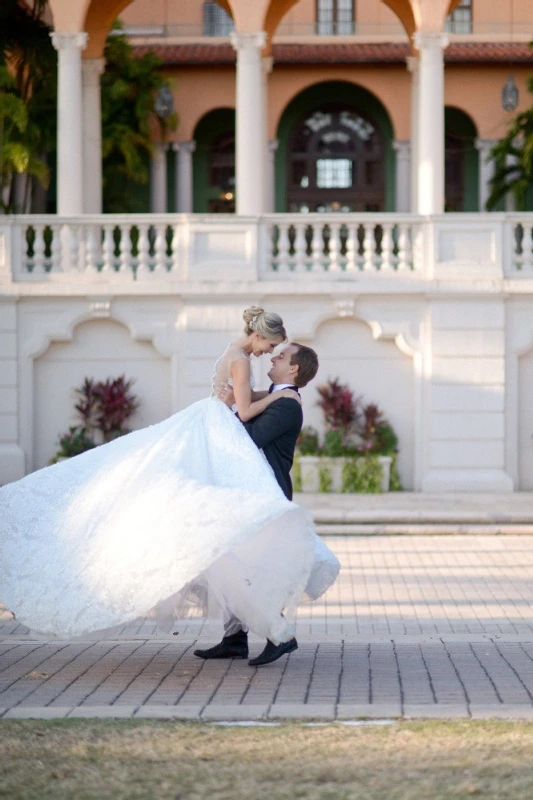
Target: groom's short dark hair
column 307, row 361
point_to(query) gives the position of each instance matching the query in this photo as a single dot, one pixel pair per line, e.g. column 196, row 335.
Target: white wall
column 99, row 349
column 525, row 424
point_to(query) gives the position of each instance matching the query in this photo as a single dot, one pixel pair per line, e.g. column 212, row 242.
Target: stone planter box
column 312, row 466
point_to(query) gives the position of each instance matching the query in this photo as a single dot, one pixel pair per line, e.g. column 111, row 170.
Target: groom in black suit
column 275, row 432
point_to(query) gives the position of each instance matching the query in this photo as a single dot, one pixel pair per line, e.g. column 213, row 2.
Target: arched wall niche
column 377, row 369
column 99, row 348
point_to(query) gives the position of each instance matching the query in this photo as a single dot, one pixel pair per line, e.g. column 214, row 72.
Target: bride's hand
column 289, row 394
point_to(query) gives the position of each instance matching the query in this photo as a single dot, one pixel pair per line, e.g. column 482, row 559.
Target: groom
column 275, row 432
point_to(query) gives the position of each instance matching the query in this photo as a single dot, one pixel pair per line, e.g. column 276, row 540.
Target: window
column 460, row 20
column 335, row 17
column 217, row 22
column 335, row 162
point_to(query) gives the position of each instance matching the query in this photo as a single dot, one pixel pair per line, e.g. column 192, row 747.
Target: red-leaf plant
column 106, row 406
column 340, row 407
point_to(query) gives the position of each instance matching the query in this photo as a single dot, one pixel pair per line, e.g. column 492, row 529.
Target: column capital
column 248, row 41
column 91, row 69
column 402, row 147
column 484, row 145
column 430, row 41
column 412, row 63
column 268, row 64
column 184, row 147
column 69, row 41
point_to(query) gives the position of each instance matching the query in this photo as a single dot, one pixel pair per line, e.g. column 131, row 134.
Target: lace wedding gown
column 186, row 508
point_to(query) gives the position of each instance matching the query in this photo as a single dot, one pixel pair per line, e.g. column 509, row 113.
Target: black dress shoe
column 234, row 646
column 273, row 651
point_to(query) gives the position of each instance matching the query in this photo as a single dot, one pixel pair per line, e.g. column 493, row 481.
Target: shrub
column 104, row 408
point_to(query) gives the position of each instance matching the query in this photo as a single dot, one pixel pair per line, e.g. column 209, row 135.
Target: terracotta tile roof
column 345, row 53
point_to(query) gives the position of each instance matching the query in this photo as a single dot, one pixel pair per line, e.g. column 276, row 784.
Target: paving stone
column 235, row 712
column 435, row 711
column 27, row 712
column 390, row 710
column 301, row 711
column 501, row 711
column 168, row 712
column 103, row 712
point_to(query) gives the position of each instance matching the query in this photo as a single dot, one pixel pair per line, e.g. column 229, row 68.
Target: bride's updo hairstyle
column 265, row 323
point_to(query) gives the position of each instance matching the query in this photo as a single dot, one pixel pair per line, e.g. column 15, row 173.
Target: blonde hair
column 265, row 323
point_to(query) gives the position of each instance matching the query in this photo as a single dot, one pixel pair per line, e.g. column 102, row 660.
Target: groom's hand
column 225, row 393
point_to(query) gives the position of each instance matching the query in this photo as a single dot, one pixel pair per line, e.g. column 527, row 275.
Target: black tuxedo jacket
column 275, row 432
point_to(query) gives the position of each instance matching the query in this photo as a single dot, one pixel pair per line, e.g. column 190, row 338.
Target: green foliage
column 325, row 481
column 362, row 475
column 297, row 475
column 333, row 444
column 308, row 443
column 129, row 86
column 513, row 160
column 27, row 96
column 395, row 484
column 76, row 441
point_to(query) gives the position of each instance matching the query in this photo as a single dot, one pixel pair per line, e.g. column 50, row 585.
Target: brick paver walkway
column 415, row 626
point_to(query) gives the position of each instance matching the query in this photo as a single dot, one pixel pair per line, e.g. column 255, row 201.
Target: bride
column 141, row 522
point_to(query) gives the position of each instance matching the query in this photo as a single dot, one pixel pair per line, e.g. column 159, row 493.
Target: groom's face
column 282, row 371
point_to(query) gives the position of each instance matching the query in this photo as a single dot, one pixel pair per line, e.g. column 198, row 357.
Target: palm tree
column 129, row 86
column 513, row 160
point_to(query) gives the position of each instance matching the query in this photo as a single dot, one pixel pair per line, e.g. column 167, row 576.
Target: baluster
column 108, row 249
column 527, row 243
column 90, row 249
column 160, row 247
column 172, row 243
column 368, row 246
column 334, row 246
column 125, row 248
column 386, row 247
column 350, row 249
column 283, row 247
column 38, row 249
column 300, row 246
column 55, row 249
column 317, row 248
column 143, row 247
column 403, row 247
column 74, row 247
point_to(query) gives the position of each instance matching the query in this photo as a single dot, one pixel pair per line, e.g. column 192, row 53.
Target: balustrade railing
column 296, row 247
column 341, row 244
column 519, row 245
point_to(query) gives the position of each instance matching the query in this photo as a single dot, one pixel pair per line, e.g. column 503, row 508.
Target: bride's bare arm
column 258, row 396
column 247, row 407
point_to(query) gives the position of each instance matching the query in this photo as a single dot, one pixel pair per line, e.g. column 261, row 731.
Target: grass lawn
column 95, row 760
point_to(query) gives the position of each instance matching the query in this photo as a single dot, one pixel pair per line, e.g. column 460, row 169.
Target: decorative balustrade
column 128, row 249
column 341, row 244
column 519, row 245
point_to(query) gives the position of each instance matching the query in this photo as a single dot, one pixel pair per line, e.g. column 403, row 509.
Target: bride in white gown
column 107, row 536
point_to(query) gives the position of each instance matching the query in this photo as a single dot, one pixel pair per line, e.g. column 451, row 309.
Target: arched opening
column 461, row 162
column 335, row 151
column 214, row 162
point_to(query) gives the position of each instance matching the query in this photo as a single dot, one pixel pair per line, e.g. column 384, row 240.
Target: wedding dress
column 154, row 517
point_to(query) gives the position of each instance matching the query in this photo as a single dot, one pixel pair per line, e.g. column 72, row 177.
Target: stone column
column 250, row 122
column 412, row 66
column 271, row 176
column 184, row 176
column 403, row 176
column 91, row 69
column 158, row 179
column 430, row 128
column 268, row 63
column 69, row 122
column 486, row 169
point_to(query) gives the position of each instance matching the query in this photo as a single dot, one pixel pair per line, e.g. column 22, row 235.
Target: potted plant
column 104, row 408
column 358, row 450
